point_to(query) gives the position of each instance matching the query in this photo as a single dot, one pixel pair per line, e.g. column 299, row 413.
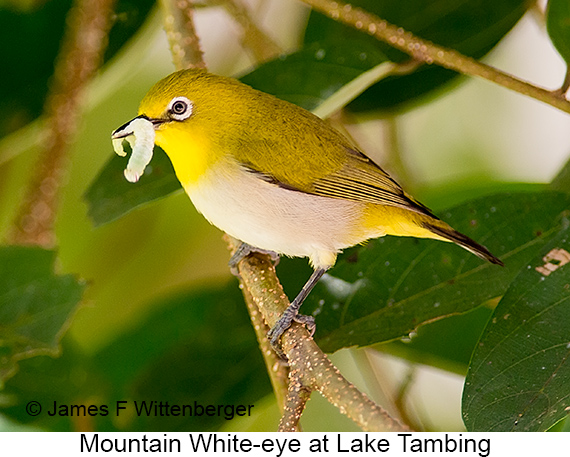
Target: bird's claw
column 283, row 324
column 245, row 250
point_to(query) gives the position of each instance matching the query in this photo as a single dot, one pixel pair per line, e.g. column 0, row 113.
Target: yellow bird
column 273, row 175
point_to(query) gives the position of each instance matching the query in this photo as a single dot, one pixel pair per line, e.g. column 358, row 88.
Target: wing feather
column 360, row 179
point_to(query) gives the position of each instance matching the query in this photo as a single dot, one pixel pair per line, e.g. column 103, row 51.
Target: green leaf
column 29, row 59
column 445, row 343
column 558, row 26
column 325, row 68
column 387, row 288
column 562, row 180
column 110, row 196
column 519, row 378
column 353, row 89
column 198, row 346
column 30, row 43
column 195, row 346
column 35, row 304
column 472, row 27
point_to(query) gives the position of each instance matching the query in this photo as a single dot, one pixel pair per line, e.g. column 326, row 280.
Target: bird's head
column 188, row 114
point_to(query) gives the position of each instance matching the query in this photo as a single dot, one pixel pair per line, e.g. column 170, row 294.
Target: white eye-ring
column 180, row 108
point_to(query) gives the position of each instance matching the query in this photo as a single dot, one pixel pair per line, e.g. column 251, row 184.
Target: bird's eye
column 180, row 108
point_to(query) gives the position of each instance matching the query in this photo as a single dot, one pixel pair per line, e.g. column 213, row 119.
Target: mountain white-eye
column 273, row 175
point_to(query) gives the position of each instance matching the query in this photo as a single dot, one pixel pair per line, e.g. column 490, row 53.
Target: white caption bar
column 284, row 444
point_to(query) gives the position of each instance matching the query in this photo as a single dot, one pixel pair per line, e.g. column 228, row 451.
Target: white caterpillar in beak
column 140, row 135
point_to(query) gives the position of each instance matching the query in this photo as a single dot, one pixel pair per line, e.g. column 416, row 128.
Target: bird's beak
column 126, row 129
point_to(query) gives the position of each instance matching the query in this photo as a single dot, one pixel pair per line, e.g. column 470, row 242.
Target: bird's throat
column 190, row 153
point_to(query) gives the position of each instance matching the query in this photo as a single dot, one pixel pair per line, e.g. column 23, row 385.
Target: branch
column 400, row 400
column 297, row 397
column 310, row 365
column 565, row 84
column 179, row 27
column 277, row 370
column 80, row 55
column 429, row 53
column 261, row 44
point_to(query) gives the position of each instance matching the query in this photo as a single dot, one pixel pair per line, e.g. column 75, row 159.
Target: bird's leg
column 292, row 312
column 243, row 251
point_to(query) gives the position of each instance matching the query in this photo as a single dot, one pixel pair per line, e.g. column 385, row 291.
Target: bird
column 274, row 176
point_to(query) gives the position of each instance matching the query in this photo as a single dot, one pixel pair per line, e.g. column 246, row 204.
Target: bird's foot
column 289, row 316
column 245, row 250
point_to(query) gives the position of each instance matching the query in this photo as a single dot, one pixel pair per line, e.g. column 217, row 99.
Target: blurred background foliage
column 160, row 316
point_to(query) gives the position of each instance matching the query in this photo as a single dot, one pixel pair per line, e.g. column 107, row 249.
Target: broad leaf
column 196, row 346
column 199, row 347
column 35, row 304
column 558, row 26
column 562, row 180
column 387, row 288
column 519, row 378
column 30, row 43
column 324, row 69
column 472, row 27
column 430, row 345
column 110, row 196
column 30, row 59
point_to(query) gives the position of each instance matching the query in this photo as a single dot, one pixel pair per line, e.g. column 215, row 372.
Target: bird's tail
column 445, row 231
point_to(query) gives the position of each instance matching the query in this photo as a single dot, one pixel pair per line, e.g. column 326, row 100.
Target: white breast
column 269, row 217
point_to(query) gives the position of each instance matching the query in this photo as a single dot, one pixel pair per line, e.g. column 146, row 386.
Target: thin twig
column 261, row 44
column 313, row 367
column 277, row 370
column 429, row 53
column 81, row 52
column 297, row 397
column 401, row 397
column 181, row 33
column 565, row 84
column 392, row 146
column 318, row 371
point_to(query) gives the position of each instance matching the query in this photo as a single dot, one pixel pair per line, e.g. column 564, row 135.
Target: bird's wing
column 319, row 160
column 362, row 180
column 357, row 179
